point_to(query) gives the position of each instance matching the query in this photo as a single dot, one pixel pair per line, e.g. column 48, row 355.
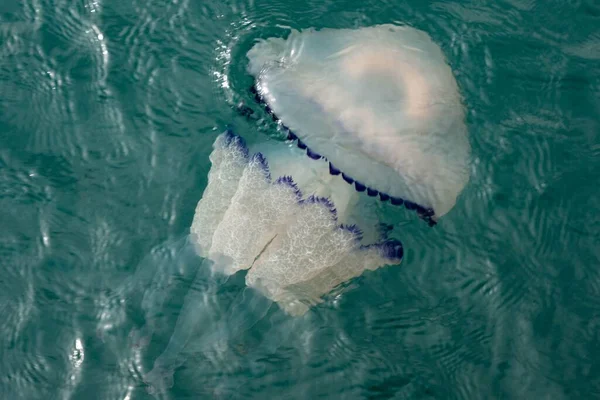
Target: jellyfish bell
column 379, row 103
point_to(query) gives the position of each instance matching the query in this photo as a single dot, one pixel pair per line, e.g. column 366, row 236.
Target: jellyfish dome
column 380, row 104
column 372, row 114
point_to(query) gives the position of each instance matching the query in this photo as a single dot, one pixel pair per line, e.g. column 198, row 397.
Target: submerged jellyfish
column 375, row 115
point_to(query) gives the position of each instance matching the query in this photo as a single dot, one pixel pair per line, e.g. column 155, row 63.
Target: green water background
column 108, row 110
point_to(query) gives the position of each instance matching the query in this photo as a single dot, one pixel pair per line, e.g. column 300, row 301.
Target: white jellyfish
column 375, row 115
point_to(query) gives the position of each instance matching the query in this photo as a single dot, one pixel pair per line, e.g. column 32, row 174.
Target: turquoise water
column 108, row 111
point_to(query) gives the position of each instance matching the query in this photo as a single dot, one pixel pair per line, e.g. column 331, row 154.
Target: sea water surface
column 108, row 111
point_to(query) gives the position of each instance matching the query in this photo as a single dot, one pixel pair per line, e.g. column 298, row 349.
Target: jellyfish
column 370, row 115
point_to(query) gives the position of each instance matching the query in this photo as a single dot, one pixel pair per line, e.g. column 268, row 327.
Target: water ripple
column 108, row 114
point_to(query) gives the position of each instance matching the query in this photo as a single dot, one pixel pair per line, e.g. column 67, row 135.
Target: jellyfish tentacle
column 153, row 281
column 199, row 310
column 247, row 309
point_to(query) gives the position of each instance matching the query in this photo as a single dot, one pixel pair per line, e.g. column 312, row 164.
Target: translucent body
column 380, row 103
column 377, row 111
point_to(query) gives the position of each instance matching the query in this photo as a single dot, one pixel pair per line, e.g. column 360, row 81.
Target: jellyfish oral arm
column 276, row 224
column 199, row 312
column 296, row 246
